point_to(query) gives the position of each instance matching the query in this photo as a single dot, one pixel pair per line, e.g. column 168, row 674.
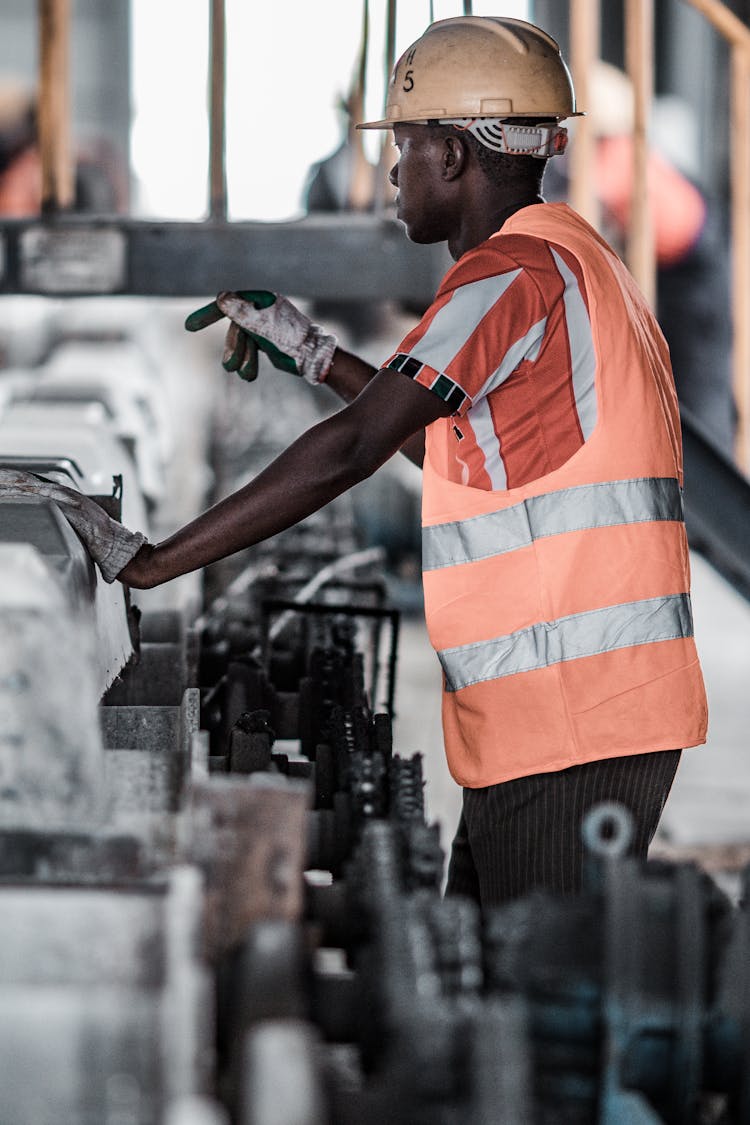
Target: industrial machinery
column 221, row 894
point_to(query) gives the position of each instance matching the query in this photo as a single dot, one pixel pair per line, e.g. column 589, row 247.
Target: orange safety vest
column 560, row 610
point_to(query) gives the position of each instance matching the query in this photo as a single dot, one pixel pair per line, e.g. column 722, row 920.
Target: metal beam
column 341, row 257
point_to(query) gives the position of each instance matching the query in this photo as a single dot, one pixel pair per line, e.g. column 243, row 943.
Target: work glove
column 110, row 545
column 268, row 321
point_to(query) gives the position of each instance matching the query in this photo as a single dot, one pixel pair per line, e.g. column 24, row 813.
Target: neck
column 478, row 224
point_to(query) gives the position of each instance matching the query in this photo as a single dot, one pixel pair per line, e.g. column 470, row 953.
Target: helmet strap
column 542, row 140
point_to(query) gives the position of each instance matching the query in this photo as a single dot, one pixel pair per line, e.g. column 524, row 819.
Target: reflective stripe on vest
column 569, row 638
column 553, row 513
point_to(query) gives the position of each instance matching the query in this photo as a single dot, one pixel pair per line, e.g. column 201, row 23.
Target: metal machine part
column 52, row 759
column 101, row 609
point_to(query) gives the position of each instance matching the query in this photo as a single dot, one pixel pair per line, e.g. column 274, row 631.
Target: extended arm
column 324, row 462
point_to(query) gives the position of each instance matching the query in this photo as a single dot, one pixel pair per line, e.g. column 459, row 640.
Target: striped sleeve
column 508, row 343
column 487, row 317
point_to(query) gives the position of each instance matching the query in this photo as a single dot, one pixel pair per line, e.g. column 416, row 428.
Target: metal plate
column 61, row 260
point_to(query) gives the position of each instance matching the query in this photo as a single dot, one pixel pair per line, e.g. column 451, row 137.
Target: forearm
column 287, row 491
column 348, row 375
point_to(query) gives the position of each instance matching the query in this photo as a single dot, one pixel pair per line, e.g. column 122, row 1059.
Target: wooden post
column 58, row 178
column 725, row 21
column 639, row 57
column 740, row 224
column 383, row 191
column 217, row 120
column 584, row 51
column 362, row 176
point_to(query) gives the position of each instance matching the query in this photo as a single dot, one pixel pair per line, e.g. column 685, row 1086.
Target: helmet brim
column 386, row 124
column 378, row 124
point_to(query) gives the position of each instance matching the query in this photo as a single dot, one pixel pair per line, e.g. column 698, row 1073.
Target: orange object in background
column 678, row 210
column 21, row 186
column 20, row 161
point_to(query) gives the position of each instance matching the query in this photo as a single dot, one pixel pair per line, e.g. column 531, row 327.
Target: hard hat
column 474, row 67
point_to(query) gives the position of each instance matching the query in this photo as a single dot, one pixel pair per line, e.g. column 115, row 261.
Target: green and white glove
column 265, row 320
column 110, row 545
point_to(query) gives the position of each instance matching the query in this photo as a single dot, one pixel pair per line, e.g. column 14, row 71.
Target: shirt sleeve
column 488, row 315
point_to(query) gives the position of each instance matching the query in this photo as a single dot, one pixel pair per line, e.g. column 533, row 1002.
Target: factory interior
column 225, row 807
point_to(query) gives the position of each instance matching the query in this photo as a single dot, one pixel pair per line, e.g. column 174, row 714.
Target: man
column 555, row 558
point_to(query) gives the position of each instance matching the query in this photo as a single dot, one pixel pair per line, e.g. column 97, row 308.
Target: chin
column 421, row 235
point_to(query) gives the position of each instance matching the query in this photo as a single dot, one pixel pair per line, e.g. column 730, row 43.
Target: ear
column 453, row 156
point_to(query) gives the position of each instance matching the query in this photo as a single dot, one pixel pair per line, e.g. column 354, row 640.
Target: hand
column 110, row 544
column 265, row 320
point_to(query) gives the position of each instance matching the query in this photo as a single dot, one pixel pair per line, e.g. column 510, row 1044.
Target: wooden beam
column 217, row 121
column 584, row 51
column 384, row 192
column 58, row 177
column 739, row 132
column 725, row 21
column 639, row 59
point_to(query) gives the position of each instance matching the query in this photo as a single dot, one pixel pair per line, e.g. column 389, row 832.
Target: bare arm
column 324, row 462
column 348, row 376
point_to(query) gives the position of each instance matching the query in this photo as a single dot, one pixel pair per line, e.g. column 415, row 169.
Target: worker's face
column 421, row 201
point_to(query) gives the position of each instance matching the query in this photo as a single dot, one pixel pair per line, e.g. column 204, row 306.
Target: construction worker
column 537, row 394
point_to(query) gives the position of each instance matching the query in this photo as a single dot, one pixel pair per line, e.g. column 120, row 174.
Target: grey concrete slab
column 417, row 727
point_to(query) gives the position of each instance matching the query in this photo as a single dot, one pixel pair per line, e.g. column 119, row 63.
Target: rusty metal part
column 248, row 838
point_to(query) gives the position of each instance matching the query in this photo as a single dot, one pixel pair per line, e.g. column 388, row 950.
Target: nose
column 393, row 174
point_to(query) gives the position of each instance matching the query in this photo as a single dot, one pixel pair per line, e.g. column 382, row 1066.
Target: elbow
column 362, row 463
column 362, row 450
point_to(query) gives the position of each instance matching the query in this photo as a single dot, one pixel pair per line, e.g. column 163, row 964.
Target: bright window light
column 169, row 134
column 290, row 65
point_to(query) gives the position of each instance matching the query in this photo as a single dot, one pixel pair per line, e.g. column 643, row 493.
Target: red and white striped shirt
column 507, row 343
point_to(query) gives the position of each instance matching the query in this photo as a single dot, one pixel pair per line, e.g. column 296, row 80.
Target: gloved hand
column 265, row 320
column 110, row 544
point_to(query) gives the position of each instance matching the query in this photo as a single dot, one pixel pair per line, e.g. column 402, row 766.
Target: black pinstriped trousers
column 526, row 833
